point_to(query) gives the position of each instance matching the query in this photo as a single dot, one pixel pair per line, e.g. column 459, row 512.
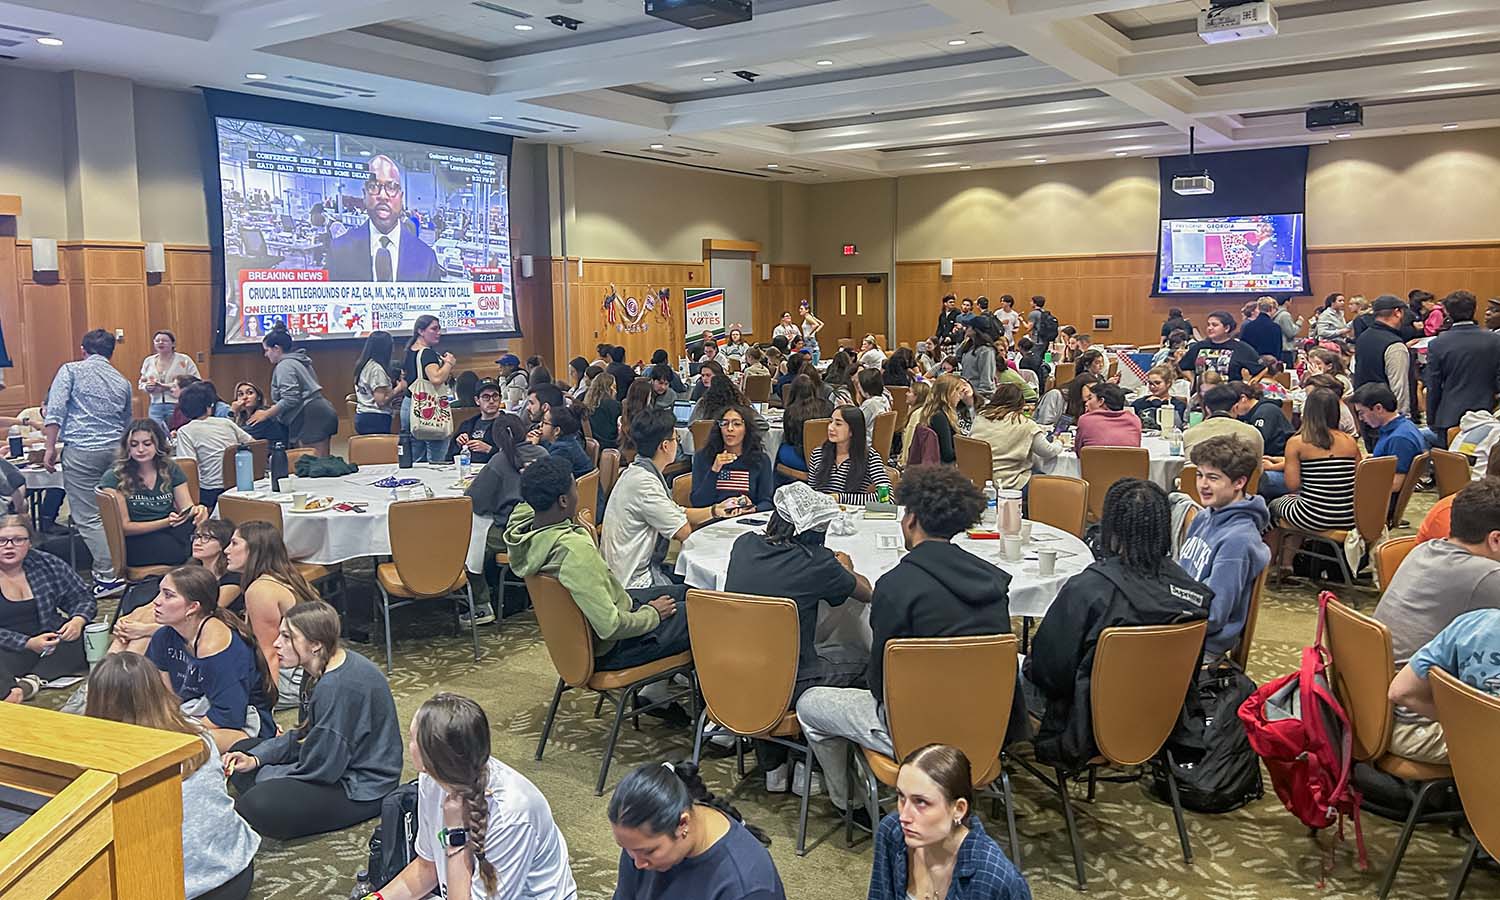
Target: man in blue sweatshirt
column 1223, row 548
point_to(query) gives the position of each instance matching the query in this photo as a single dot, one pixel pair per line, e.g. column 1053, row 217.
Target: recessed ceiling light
column 709, row 78
column 1450, row 126
column 364, row 153
column 957, row 42
column 257, row 76
column 966, row 167
column 497, row 118
column 823, row 62
column 657, row 146
column 1041, row 160
column 1122, row 153
column 772, row 166
column 49, row 41
column 523, row 27
column 1343, row 134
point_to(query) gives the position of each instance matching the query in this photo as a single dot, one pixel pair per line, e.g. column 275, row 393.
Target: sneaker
column 799, row 782
column 103, row 589
column 30, row 686
column 777, row 780
column 486, row 617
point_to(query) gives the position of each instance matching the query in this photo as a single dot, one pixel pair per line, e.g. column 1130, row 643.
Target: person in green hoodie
column 542, row 539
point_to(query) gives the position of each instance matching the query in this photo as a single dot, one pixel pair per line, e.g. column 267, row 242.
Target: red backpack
column 1297, row 726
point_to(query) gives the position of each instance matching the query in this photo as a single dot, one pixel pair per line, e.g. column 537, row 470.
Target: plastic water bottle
column 362, row 886
column 464, row 460
column 990, row 498
column 244, row 470
column 16, row 450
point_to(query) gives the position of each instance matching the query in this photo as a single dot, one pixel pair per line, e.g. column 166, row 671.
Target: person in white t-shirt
column 870, row 354
column 641, row 511
column 483, row 831
column 205, row 438
column 1009, row 319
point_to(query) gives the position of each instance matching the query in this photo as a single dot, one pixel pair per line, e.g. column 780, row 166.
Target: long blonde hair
column 603, row 386
column 126, row 687
column 937, row 398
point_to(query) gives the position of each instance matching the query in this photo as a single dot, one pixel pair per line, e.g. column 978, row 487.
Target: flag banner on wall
column 704, row 311
column 1132, row 368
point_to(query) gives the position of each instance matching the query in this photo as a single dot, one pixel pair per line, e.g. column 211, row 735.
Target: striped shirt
column 90, row 403
column 1325, row 500
column 837, row 481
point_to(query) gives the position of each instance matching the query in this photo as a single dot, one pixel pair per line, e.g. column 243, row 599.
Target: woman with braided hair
column 680, row 842
column 483, row 830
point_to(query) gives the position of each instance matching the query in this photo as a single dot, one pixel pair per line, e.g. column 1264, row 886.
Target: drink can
column 883, row 493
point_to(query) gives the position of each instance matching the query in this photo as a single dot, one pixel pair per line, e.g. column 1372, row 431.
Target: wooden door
column 851, row 306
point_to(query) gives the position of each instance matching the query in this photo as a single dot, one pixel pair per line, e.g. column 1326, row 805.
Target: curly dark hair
column 1136, row 525
column 721, row 395
column 545, row 481
column 942, row 499
column 753, row 443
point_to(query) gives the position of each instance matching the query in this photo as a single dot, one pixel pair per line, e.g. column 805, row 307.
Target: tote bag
column 431, row 410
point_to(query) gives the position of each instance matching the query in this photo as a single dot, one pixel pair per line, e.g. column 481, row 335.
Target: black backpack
column 1046, row 327
column 393, row 843
column 1216, row 769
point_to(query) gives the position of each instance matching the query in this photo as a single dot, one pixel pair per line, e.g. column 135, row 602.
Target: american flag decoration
column 1132, row 374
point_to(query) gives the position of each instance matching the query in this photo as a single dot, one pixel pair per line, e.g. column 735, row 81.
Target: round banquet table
column 1164, row 466
column 329, row 536
column 704, row 559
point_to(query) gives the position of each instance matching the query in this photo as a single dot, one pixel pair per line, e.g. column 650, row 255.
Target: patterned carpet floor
column 1256, row 853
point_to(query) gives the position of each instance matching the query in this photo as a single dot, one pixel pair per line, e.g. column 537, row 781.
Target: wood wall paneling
column 587, row 322
column 788, row 286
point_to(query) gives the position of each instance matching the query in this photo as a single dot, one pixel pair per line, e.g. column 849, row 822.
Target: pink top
column 1434, row 321
column 1108, row 428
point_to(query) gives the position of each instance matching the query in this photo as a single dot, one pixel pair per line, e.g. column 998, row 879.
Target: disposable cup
column 96, row 638
column 1046, row 562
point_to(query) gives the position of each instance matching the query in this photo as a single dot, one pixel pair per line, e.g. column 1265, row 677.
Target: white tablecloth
column 1164, row 466
column 38, row 478
column 704, row 559
column 326, row 537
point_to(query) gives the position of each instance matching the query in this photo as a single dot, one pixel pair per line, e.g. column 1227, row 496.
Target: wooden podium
column 113, row 827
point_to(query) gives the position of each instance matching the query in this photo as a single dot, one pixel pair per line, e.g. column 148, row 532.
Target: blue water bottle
column 244, row 470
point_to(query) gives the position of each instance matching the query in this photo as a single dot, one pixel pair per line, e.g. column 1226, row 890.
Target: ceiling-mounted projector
column 700, row 13
column 1236, row 20
column 1188, row 185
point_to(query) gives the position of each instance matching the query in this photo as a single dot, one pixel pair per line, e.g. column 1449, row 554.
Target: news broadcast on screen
column 1260, row 254
column 334, row 235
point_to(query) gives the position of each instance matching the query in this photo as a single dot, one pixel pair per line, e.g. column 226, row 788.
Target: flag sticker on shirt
column 734, row 481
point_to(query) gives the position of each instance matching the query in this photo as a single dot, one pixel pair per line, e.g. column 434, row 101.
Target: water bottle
column 362, row 886
column 403, row 452
column 16, row 450
column 278, row 465
column 990, row 498
column 464, row 460
column 244, row 470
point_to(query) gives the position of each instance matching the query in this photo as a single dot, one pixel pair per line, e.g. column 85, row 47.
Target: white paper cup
column 299, row 500
column 1025, row 532
column 1012, row 547
column 1046, row 562
column 96, row 639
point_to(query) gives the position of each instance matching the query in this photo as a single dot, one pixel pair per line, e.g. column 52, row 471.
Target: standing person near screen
column 423, row 361
column 296, row 396
column 159, row 374
column 375, row 395
column 384, row 250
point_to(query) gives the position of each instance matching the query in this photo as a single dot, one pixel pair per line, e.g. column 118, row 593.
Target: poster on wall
column 704, row 310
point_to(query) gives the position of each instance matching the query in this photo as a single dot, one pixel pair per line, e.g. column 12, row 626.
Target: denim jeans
column 1272, row 485
column 372, row 423
column 422, row 451
column 160, row 412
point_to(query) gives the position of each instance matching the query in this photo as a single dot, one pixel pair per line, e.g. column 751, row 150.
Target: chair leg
column 872, row 800
column 739, row 756
column 1010, row 820
column 1461, row 875
column 811, row 763
column 551, row 716
column 702, row 725
column 849, row 769
column 626, row 698
column 385, row 614
column 473, row 619
column 1093, row 781
column 1074, row 838
column 1406, row 832
column 1182, row 834
column 600, row 705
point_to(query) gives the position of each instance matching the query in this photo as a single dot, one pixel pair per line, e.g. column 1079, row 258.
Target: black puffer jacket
column 1061, row 663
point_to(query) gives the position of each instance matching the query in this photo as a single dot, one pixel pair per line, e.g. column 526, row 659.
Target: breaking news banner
column 309, row 305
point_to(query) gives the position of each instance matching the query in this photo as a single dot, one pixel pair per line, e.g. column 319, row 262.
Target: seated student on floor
column 933, row 844
column 1134, row 583
column 271, row 586
column 937, row 590
column 1469, row 650
column 44, row 606
column 846, row 466
column 1438, row 582
column 632, row 627
column 218, row 847
column 680, row 842
column 1223, row 548
column 132, row 631
column 162, row 513
column 811, row 575
column 343, row 757
column 209, row 659
column 204, row 439
column 1438, row 521
column 733, row 462
column 641, row 517
column 484, row 832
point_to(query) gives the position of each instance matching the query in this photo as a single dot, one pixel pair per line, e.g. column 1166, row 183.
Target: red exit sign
column 851, row 250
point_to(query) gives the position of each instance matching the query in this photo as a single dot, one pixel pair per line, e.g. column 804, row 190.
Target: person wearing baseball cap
column 473, row 433
column 513, row 383
column 1381, row 355
column 810, row 574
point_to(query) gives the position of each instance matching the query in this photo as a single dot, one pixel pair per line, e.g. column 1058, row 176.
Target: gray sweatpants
column 82, row 470
column 830, row 716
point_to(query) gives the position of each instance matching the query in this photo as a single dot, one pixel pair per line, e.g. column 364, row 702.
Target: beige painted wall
column 31, row 150
column 631, row 210
column 169, row 128
column 857, row 212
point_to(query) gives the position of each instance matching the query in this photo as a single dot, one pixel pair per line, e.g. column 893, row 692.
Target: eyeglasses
column 388, row 188
column 204, row 536
column 731, row 423
column 13, row 541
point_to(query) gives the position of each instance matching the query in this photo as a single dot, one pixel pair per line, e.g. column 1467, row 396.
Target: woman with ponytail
column 344, row 756
column 680, row 842
column 483, row 830
column 209, row 659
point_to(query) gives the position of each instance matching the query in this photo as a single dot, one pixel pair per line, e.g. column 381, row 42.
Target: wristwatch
column 453, row 837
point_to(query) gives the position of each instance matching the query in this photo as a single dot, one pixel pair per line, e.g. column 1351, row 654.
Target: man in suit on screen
column 382, row 250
